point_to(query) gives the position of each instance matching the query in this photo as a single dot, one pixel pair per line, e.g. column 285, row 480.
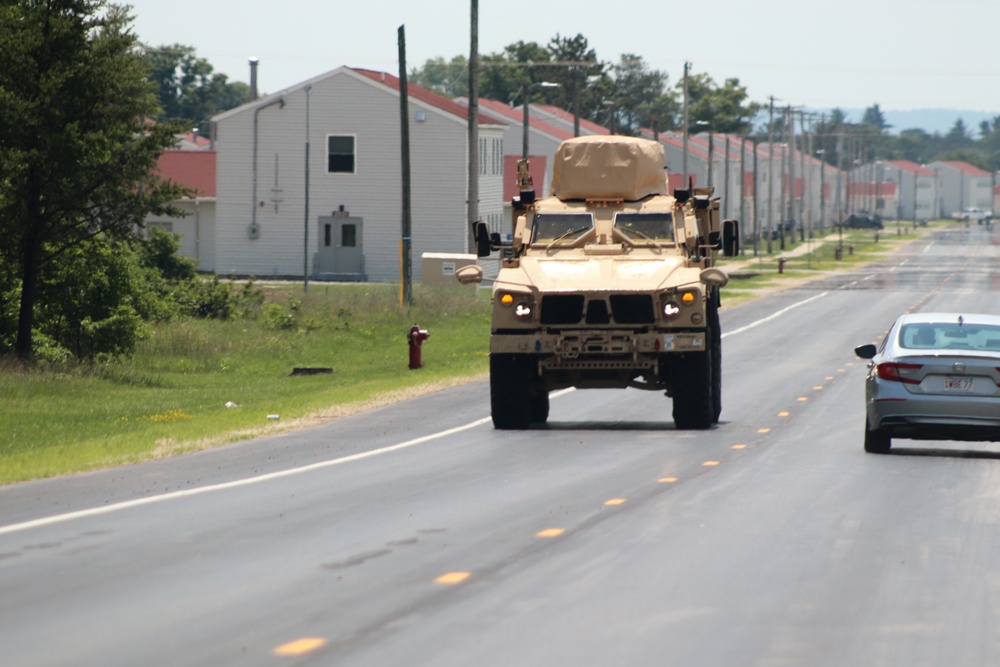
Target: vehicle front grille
column 562, row 309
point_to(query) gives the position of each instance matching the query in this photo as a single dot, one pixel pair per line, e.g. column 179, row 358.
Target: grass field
column 171, row 396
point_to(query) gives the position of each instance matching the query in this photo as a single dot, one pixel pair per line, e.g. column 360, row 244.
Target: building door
column 341, row 250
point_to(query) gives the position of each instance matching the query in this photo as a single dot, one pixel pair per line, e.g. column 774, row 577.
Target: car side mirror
column 470, row 274
column 866, row 351
column 481, row 232
column 730, row 238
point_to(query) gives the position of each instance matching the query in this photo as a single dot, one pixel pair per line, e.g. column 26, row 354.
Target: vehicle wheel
column 510, row 389
column 691, row 379
column 539, row 401
column 714, row 339
column 876, row 442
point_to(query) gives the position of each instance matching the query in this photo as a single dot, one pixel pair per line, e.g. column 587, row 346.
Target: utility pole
column 473, row 203
column 756, row 201
column 406, row 261
column 684, row 158
column 783, row 211
column 804, row 210
column 725, row 179
column 770, row 174
column 305, row 224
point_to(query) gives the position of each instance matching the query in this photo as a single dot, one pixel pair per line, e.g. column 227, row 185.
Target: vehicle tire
column 539, row 404
column 691, row 379
column 876, row 442
column 714, row 340
column 511, row 378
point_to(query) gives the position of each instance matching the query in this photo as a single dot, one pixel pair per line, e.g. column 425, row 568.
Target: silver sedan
column 935, row 376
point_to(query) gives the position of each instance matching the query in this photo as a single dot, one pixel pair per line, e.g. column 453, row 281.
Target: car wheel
column 510, row 386
column 691, row 381
column 539, row 402
column 714, row 339
column 876, row 442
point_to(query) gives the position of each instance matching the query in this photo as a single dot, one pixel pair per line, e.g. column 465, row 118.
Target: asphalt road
column 417, row 535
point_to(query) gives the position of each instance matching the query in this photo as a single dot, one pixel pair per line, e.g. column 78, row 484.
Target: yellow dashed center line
column 550, row 532
column 452, row 578
column 738, row 447
column 829, row 377
column 667, row 480
column 710, row 463
column 802, row 398
column 763, row 430
column 818, row 388
column 300, row 646
column 784, row 414
column 615, row 501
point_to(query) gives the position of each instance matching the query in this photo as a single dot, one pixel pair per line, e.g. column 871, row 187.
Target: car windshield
column 549, row 227
column 950, row 336
column 646, row 226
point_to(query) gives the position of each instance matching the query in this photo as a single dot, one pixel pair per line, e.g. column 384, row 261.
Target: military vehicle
column 607, row 283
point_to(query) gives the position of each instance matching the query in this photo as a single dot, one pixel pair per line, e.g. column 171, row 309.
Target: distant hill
column 929, row 120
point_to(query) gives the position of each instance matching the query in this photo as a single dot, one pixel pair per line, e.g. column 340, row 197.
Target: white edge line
column 773, row 315
column 186, row 493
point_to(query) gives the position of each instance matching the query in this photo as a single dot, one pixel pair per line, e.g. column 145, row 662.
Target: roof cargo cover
column 598, row 167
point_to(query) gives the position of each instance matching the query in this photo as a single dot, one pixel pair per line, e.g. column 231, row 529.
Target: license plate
column 955, row 383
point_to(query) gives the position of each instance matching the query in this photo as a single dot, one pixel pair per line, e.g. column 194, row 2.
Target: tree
column 188, row 88
column 77, row 154
column 639, row 96
column 873, row 116
column 449, row 78
column 725, row 108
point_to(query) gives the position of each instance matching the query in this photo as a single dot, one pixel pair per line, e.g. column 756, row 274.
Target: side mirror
column 714, row 277
column 730, row 238
column 865, row 351
column 470, row 274
column 481, row 232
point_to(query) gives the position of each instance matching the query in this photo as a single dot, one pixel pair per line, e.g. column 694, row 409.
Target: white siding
column 344, row 103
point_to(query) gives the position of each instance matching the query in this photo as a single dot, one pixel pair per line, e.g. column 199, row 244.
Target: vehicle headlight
column 671, row 309
column 523, row 310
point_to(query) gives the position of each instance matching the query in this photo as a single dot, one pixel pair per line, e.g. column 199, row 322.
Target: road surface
column 416, row 534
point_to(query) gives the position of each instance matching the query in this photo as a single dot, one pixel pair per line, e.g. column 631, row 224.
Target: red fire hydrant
column 416, row 338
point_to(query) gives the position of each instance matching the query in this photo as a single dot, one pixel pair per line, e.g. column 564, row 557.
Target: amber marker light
column 687, row 298
column 507, row 299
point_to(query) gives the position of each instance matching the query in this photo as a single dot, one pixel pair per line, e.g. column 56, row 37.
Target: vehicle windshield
column 550, row 227
column 646, row 226
column 950, row 336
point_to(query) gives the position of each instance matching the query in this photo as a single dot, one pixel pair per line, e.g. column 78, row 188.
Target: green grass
column 171, row 395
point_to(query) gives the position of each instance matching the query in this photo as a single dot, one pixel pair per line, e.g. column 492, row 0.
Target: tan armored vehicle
column 608, row 283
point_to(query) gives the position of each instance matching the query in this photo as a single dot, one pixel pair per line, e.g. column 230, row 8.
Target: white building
column 349, row 121
column 962, row 185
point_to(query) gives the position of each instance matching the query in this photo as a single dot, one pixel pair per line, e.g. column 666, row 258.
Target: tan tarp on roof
column 608, row 167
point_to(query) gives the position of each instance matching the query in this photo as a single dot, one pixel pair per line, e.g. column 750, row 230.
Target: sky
column 899, row 54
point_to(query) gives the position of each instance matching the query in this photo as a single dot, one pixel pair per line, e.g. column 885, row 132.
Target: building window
column 340, row 154
column 349, row 236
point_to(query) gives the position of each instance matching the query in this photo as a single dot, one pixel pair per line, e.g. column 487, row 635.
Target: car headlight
column 523, row 310
column 671, row 309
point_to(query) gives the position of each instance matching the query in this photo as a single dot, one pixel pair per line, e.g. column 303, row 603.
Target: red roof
column 427, row 96
column 911, row 167
column 562, row 114
column 192, row 169
column 505, row 110
column 965, row 167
